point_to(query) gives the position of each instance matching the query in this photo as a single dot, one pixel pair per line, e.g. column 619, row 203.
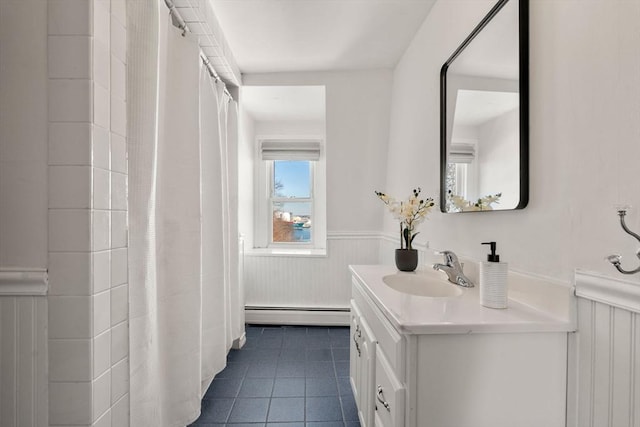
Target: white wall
column 357, row 105
column 246, row 138
column 23, row 134
column 290, row 128
column 584, row 133
column 498, row 151
column 23, row 213
column 357, row 123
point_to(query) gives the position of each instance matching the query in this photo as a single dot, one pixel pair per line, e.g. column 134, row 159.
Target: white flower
column 410, row 213
column 483, row 204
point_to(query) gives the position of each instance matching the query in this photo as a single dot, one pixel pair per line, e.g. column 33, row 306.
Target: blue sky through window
column 295, row 177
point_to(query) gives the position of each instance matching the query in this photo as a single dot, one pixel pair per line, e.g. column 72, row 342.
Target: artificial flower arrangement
column 410, row 213
column 482, row 204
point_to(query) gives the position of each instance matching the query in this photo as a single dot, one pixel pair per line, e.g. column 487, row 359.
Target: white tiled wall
column 88, row 303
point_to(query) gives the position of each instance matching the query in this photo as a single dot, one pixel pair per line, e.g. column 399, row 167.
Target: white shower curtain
column 237, row 293
column 181, row 289
column 228, row 125
column 215, row 292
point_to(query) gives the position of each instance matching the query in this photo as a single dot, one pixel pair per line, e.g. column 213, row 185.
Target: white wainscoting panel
column 607, row 371
column 23, row 361
column 309, row 282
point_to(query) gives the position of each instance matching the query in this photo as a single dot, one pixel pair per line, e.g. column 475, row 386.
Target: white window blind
column 290, row 150
column 462, row 153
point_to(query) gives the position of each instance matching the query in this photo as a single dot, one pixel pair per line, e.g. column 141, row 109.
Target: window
column 292, row 201
column 462, row 171
column 292, row 214
column 460, row 184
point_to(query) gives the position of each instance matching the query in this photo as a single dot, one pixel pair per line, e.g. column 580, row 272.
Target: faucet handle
column 450, row 257
column 446, row 254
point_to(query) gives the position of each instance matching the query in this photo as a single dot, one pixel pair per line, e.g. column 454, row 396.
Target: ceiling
column 318, row 35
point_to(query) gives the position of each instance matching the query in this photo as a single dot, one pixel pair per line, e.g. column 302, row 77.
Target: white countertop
column 452, row 315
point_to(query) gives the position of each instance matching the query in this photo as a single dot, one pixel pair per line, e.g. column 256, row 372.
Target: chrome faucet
column 453, row 269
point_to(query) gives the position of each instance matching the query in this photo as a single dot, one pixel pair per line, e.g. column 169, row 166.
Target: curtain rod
column 179, row 22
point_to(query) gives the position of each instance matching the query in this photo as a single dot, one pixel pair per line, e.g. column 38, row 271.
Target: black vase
column 406, row 259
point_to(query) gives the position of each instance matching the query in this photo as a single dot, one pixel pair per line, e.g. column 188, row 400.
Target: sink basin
column 422, row 285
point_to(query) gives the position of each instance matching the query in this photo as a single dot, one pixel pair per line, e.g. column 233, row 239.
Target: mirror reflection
column 484, row 130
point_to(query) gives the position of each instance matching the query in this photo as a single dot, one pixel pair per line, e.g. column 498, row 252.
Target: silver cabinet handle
column 357, row 334
column 380, row 397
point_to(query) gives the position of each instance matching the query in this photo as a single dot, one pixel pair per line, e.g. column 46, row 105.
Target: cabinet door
column 389, row 409
column 362, row 366
column 355, row 351
column 366, row 405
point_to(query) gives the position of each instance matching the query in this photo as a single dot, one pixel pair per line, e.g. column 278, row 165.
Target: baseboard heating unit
column 297, row 315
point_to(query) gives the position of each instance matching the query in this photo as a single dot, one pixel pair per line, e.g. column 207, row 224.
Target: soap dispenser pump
column 493, row 280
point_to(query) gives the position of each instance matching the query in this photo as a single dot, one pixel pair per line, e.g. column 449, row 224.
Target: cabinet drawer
column 389, row 340
column 389, row 395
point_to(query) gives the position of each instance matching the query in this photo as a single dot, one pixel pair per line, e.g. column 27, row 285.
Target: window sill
column 287, row 252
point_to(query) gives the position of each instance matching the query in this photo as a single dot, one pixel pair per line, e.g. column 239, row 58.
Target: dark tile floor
column 284, row 376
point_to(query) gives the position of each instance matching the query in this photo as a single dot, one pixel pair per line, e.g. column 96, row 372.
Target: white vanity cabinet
column 441, row 377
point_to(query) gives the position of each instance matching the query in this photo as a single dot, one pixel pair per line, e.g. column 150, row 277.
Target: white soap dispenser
column 493, row 280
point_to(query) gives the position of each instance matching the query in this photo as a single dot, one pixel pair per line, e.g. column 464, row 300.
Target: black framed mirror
column 484, row 115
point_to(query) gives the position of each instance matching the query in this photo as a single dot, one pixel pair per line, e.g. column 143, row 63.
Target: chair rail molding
column 23, row 281
column 620, row 293
column 339, row 235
